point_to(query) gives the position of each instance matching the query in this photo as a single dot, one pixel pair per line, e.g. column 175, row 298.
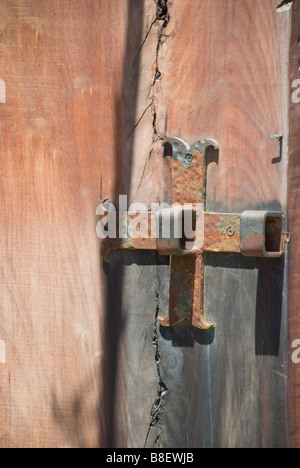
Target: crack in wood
column 140, row 119
column 162, row 390
column 161, row 15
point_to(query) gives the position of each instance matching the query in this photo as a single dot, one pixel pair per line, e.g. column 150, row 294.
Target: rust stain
column 222, row 233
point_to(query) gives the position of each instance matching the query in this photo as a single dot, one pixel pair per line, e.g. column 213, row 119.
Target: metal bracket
column 252, row 233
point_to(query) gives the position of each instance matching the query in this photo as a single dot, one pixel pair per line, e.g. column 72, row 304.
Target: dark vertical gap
column 268, row 318
column 125, row 119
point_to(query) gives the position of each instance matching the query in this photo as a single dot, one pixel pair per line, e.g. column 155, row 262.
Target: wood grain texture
column 223, row 77
column 77, row 128
column 129, row 371
column 132, row 378
column 62, row 128
column 294, row 227
column 229, row 389
column 88, row 90
column 228, row 85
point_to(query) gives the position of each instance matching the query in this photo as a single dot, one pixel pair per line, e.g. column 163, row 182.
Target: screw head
column 189, row 158
column 123, row 230
column 230, row 231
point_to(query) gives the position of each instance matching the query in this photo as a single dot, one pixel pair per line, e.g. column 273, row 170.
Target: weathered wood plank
column 62, row 127
column 88, row 90
column 230, row 84
column 225, row 77
column 133, row 373
column 294, row 226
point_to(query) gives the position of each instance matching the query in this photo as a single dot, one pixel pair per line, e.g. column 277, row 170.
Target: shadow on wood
column 125, row 118
column 268, row 308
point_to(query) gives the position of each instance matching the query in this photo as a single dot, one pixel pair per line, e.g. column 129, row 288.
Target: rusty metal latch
column 252, row 233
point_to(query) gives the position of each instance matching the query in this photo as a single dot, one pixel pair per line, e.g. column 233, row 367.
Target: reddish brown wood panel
column 91, row 90
column 221, row 72
column 62, row 64
column 224, row 77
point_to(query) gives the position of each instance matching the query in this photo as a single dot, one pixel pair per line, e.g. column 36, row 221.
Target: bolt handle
column 185, row 293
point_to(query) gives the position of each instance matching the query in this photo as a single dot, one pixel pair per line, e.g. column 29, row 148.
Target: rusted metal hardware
column 262, row 234
column 252, row 233
column 221, row 233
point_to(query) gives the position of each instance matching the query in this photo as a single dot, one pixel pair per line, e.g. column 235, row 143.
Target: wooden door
column 89, row 89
